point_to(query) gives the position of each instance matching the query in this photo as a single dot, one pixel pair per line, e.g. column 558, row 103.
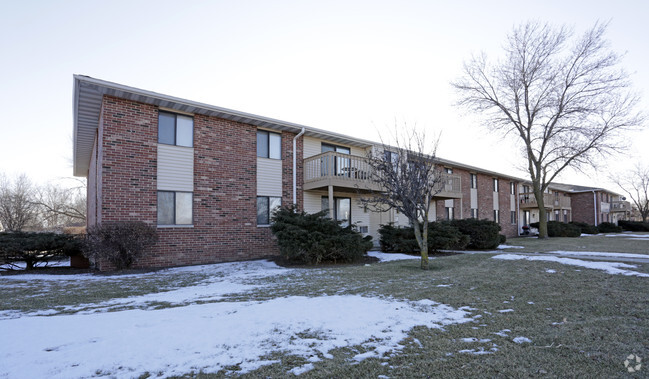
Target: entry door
column 339, row 166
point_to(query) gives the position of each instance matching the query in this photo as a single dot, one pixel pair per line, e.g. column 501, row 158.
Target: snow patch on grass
column 509, row 247
column 521, row 340
column 614, row 268
column 210, row 337
column 389, row 257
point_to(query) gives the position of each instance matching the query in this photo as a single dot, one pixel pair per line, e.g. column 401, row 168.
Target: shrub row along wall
column 443, row 235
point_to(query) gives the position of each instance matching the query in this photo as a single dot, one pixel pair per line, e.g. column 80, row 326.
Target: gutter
column 595, row 206
column 295, row 166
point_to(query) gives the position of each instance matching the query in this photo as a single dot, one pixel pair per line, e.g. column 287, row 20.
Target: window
column 342, row 209
column 448, row 170
column 474, row 180
column 474, row 212
column 565, row 215
column 269, row 145
column 556, row 215
column 175, row 208
column 393, row 158
column 512, row 188
column 526, row 189
column 495, row 185
column 449, row 213
column 175, row 129
column 497, row 215
column 526, row 218
column 265, row 207
column 512, row 217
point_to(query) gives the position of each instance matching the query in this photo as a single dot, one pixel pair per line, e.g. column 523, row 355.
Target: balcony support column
column 331, row 201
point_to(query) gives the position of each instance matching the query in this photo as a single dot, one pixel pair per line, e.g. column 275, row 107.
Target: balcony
column 527, row 201
column 620, row 206
column 345, row 172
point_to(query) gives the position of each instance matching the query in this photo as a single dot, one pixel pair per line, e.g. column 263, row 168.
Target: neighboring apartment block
column 209, row 177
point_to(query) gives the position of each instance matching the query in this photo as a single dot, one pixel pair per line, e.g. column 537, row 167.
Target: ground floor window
column 526, row 218
column 565, row 215
column 474, row 212
column 342, row 209
column 512, row 217
column 265, row 207
column 175, row 208
column 496, row 215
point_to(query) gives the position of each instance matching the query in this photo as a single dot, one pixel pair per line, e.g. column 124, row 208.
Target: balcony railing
column 351, row 171
column 620, row 206
column 528, row 200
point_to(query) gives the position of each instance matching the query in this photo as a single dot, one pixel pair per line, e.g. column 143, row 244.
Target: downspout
column 295, row 166
column 595, row 206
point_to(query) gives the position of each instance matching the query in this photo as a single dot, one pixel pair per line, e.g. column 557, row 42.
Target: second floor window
column 495, row 185
column 512, row 188
column 474, row 180
column 175, row 129
column 269, row 145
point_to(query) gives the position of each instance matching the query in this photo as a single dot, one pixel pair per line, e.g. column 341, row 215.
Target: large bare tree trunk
column 543, row 215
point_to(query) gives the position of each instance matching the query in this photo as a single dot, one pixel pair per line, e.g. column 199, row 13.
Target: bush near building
column 120, row 243
column 585, row 227
column 444, row 235
column 315, row 238
column 483, row 234
column 608, row 227
column 634, row 226
column 560, row 229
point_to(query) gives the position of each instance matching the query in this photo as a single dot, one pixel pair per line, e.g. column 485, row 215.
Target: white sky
column 352, row 67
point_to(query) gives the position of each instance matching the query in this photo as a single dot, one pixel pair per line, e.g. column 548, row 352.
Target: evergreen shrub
column 560, row 229
column 441, row 236
column 585, row 227
column 315, row 238
column 608, row 227
column 634, row 226
column 483, row 234
column 36, row 248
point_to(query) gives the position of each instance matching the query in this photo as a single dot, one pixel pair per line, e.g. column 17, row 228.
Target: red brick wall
column 582, row 207
column 225, row 187
column 462, row 207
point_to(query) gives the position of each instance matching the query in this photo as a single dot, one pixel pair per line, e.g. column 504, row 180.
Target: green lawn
column 581, row 322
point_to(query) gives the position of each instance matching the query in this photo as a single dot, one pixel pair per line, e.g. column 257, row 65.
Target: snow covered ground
column 192, row 335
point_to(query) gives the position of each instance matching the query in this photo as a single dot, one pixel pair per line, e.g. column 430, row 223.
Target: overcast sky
column 352, row 67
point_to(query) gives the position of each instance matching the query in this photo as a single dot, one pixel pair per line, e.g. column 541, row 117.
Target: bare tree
column 408, row 174
column 17, row 209
column 564, row 97
column 635, row 183
column 61, row 205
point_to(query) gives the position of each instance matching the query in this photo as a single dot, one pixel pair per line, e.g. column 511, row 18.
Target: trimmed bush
column 444, row 236
column 35, row 248
column 503, row 239
column 585, row 227
column 441, row 236
column 560, row 229
column 120, row 243
column 397, row 240
column 608, row 227
column 315, row 238
column 634, row 226
column 483, row 234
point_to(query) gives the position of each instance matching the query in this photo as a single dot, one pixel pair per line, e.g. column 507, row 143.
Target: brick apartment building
column 209, row 177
